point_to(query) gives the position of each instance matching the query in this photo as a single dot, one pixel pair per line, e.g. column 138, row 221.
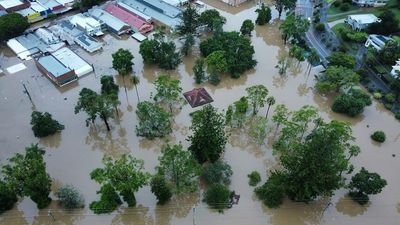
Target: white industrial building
column 89, row 24
column 361, row 22
column 71, row 60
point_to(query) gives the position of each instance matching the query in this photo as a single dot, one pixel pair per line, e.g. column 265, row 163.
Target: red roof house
column 133, row 20
column 198, row 97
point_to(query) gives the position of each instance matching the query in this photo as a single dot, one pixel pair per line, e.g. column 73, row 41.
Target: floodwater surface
column 72, row 154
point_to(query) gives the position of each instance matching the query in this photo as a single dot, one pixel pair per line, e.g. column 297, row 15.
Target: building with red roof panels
column 135, row 21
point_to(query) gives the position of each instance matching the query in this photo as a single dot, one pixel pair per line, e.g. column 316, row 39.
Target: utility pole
column 194, row 213
column 27, row 92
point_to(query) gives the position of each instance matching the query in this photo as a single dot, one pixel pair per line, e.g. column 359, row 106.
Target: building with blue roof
column 55, row 70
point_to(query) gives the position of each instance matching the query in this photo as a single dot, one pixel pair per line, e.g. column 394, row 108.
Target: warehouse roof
column 52, row 65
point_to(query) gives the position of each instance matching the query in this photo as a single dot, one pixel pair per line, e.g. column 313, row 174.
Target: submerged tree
column 190, row 21
column 109, row 200
column 122, row 61
column 247, row 27
column 188, row 44
column 198, row 70
column 217, row 64
column 124, row 175
column 110, row 90
column 209, row 138
column 257, row 95
column 365, row 183
column 212, row 20
column 313, row 155
column 168, row 90
column 154, row 121
column 161, row 189
column 336, row 78
column 161, row 52
column 69, row 197
column 238, row 51
column 136, row 80
column 8, row 197
column 26, row 175
column 95, row 105
column 270, row 102
column 294, row 27
column 351, row 103
column 178, row 167
column 44, row 125
column 217, row 172
column 281, row 5
column 218, row 197
column 264, row 14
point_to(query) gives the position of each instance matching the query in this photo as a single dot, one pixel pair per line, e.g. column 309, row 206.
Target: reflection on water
column 77, row 150
column 351, row 208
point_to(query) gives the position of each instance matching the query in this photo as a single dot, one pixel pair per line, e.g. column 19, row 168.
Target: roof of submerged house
column 198, row 97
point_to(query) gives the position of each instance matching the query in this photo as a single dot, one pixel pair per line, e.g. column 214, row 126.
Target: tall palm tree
column 270, row 101
column 136, row 81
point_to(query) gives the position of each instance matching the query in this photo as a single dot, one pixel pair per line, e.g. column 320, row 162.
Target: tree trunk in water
column 116, row 111
column 106, row 122
column 123, row 81
column 137, row 93
column 266, row 116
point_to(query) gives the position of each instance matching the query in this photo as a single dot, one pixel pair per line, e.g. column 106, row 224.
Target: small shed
column 139, row 37
column 55, row 70
column 197, row 97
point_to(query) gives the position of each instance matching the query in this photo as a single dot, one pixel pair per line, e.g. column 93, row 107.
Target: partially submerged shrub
column 378, row 136
column 254, row 178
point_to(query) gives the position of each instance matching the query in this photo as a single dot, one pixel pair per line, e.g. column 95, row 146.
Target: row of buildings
column 35, row 10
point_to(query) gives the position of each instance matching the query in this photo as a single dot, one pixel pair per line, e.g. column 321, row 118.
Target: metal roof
column 159, row 10
column 10, row 3
column 108, row 19
column 52, row 65
column 71, row 60
column 364, row 18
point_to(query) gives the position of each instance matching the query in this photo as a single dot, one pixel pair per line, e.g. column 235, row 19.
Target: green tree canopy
column 336, row 78
column 108, row 86
column 365, row 183
column 26, row 175
column 388, row 25
column 281, row 5
column 263, row 15
column 389, row 53
column 294, row 27
column 342, row 59
column 351, row 103
column 313, row 155
column 168, row 90
column 190, row 21
column 95, row 105
column 122, row 61
column 217, row 172
column 208, row 139
column 216, row 63
column 109, row 200
column 161, row 189
column 198, row 70
column 44, row 125
column 212, row 20
column 218, row 196
column 297, row 52
column 257, row 95
column 8, row 197
column 238, row 51
column 154, row 121
column 179, row 167
column 272, row 192
column 12, row 25
column 125, row 175
column 247, row 27
column 161, row 52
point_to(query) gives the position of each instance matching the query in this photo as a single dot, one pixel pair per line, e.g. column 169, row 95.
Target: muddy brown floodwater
column 76, row 151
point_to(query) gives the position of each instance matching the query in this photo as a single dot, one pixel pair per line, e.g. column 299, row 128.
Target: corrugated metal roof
column 10, row 3
column 129, row 18
column 108, row 19
column 71, row 60
column 52, row 65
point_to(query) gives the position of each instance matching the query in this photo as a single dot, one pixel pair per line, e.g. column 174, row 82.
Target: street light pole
column 27, row 92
